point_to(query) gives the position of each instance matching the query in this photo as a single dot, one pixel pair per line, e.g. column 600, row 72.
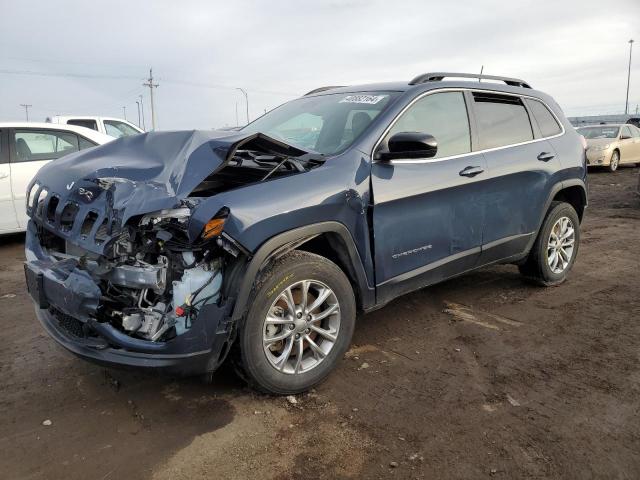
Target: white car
column 24, row 148
column 114, row 127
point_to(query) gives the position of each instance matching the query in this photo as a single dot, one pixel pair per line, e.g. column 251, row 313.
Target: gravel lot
column 484, row 376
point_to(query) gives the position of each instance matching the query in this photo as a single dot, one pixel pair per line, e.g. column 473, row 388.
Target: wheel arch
column 331, row 240
column 574, row 194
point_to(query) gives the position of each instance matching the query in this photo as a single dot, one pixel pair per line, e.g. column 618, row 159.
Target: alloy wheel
column 301, row 327
column 561, row 245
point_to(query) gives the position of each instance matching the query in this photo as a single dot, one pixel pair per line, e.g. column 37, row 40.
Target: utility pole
column 626, row 102
column 26, row 109
column 124, row 112
column 151, row 86
column 144, row 125
column 138, row 107
column 237, row 121
column 246, row 99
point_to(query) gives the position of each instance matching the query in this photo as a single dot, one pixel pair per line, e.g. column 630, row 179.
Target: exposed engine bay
column 153, row 278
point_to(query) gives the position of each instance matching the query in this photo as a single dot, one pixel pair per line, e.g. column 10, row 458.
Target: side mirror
column 409, row 145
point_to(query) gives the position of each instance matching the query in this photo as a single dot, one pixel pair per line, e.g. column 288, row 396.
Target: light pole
column 144, row 124
column 124, row 112
column 246, row 99
column 138, row 107
column 626, row 102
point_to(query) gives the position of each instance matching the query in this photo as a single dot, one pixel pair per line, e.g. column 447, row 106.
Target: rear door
column 628, row 146
column 428, row 213
column 635, row 135
column 30, row 150
column 8, row 218
column 521, row 169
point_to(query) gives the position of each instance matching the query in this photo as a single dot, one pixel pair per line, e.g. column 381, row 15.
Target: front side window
column 593, row 133
column 443, row 116
column 626, row 132
column 635, row 132
column 546, row 121
column 118, row 129
column 324, row 124
column 502, row 120
column 84, row 123
column 32, row 145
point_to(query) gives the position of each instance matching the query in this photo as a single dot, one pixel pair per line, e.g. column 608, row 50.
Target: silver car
column 612, row 145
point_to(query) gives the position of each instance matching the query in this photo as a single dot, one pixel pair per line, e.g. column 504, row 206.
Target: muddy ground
column 484, row 376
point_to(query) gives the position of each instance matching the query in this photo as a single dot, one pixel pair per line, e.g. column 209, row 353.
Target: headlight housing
column 180, row 214
column 599, row 148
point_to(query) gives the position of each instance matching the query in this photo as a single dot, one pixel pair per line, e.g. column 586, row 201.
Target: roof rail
column 322, row 89
column 438, row 76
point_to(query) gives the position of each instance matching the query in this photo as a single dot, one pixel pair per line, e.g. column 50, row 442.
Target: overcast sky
column 88, row 57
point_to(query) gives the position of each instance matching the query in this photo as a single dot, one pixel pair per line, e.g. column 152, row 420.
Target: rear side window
column 84, row 143
column 119, row 129
column 442, row 115
column 33, row 145
column 84, row 123
column 547, row 123
column 502, row 120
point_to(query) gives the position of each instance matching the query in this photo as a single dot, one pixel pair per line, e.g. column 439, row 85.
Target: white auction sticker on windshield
column 368, row 99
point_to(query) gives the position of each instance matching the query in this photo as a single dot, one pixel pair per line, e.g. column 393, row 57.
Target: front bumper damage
column 67, row 299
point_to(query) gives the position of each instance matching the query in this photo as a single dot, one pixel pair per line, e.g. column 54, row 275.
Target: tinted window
column 119, row 129
column 84, row 123
column 502, row 120
column 84, row 143
column 43, row 144
column 442, row 115
column 546, row 121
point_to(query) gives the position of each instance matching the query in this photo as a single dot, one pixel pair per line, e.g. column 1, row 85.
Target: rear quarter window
column 547, row 123
column 502, row 120
column 84, row 123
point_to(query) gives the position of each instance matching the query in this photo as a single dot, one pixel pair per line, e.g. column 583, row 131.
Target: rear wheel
column 556, row 247
column 299, row 325
column 615, row 161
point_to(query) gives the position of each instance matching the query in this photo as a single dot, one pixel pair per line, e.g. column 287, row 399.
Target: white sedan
column 24, row 148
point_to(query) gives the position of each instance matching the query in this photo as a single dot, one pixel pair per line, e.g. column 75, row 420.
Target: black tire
column 536, row 267
column 614, row 163
column 250, row 354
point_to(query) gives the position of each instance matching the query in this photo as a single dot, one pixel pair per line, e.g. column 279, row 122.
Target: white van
column 24, row 148
column 114, row 127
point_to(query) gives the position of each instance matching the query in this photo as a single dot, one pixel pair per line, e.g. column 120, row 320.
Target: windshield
column 591, row 133
column 325, row 124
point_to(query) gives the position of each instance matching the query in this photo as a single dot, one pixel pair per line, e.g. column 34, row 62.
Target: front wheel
column 556, row 247
column 615, row 161
column 299, row 324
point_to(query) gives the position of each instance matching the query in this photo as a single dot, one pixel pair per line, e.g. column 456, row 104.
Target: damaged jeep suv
column 175, row 250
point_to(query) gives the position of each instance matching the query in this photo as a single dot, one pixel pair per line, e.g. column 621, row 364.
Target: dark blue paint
column 449, row 223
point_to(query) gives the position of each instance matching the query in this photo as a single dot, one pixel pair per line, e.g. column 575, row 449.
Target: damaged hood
column 132, row 176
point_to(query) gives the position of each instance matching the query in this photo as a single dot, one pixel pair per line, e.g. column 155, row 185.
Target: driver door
column 428, row 212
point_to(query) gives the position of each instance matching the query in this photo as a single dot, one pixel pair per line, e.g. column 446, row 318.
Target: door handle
column 545, row 157
column 471, row 171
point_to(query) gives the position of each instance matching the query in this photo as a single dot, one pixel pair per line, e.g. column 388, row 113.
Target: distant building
column 598, row 119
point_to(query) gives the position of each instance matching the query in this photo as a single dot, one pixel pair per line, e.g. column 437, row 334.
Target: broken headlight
column 180, row 214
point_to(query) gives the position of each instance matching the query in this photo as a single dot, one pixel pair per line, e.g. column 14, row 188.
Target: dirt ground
column 484, row 376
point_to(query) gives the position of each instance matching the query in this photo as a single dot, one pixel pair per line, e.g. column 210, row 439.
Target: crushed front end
column 151, row 299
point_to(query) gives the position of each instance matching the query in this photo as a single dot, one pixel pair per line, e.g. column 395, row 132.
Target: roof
column 432, row 85
column 85, row 132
